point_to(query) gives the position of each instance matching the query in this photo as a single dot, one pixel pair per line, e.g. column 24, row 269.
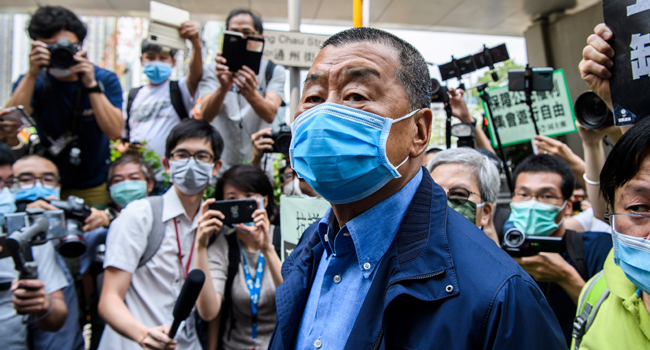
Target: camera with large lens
column 518, row 244
column 439, row 93
column 281, row 140
column 62, row 54
column 592, row 112
column 76, row 212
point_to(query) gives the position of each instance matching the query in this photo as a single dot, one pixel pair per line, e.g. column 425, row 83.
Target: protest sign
column 553, row 112
column 296, row 214
column 629, row 21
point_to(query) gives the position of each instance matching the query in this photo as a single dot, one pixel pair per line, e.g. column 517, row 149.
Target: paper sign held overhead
column 292, row 49
column 553, row 112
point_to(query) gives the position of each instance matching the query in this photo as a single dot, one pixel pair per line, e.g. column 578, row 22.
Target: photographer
column 471, row 182
column 139, row 291
column 76, row 105
column 153, row 110
column 542, row 199
column 460, row 111
column 221, row 91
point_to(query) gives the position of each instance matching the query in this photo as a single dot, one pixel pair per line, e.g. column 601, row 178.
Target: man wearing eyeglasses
column 138, row 296
column 542, row 199
column 242, row 103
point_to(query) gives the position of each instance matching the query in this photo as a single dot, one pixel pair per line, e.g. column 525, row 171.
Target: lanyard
column 254, row 288
column 180, row 254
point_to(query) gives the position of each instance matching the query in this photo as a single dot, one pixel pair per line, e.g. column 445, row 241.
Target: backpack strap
column 233, row 268
column 177, row 99
column 594, row 296
column 155, row 238
column 129, row 104
column 270, row 67
column 575, row 248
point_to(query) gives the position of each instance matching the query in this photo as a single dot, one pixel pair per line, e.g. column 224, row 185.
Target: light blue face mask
column 157, row 71
column 341, row 151
column 534, row 218
column 36, row 192
column 7, row 204
column 127, row 191
column 632, row 254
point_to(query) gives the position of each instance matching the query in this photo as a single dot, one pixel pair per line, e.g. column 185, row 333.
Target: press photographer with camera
column 542, row 200
column 242, row 103
column 76, row 105
column 460, row 111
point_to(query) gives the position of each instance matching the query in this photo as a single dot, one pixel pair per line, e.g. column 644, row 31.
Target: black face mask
column 577, row 206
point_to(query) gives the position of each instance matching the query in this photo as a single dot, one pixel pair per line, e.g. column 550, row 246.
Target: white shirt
column 587, row 219
column 155, row 286
column 153, row 116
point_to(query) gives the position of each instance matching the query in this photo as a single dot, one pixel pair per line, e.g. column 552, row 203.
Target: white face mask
column 191, row 177
column 292, row 188
column 59, row 72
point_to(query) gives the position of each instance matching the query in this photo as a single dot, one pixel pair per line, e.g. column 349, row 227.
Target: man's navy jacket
column 442, row 285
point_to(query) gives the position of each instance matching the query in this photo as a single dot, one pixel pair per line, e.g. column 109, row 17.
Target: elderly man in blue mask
column 390, row 265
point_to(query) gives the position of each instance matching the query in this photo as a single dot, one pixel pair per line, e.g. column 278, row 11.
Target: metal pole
column 295, row 12
column 356, row 13
column 365, row 21
column 486, row 98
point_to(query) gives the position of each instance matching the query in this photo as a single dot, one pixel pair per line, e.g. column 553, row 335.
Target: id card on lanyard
column 189, row 324
column 254, row 288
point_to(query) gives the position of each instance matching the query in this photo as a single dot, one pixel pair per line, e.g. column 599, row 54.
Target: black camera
column 62, row 54
column 76, row 212
column 281, row 140
column 592, row 112
column 517, row 244
column 439, row 93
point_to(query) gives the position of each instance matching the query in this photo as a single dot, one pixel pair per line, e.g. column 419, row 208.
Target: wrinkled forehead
column 358, row 59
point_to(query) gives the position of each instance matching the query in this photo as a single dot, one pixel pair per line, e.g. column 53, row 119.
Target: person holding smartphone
column 240, row 104
column 243, row 294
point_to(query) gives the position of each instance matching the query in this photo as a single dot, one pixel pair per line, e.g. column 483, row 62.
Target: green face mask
column 465, row 207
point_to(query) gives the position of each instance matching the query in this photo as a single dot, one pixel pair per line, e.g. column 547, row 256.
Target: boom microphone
column 187, row 299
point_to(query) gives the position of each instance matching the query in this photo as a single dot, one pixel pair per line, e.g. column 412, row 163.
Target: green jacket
column 622, row 322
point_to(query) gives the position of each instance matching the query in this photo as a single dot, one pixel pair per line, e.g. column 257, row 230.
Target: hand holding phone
column 235, row 211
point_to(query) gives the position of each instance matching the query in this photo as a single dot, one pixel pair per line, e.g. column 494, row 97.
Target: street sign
column 296, row 214
column 292, row 49
column 553, row 112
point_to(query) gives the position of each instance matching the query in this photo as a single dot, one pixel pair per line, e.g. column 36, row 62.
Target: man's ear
column 142, row 60
column 486, row 214
column 217, row 167
column 423, row 119
column 165, row 163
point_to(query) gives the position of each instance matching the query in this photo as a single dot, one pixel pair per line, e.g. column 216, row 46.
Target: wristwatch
column 111, row 214
column 99, row 87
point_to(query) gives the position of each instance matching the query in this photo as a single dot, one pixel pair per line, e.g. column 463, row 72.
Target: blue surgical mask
column 127, row 191
column 341, row 152
column 7, row 204
column 632, row 254
column 534, row 218
column 157, row 71
column 36, row 192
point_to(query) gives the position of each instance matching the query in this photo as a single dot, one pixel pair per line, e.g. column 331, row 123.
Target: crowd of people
column 412, row 253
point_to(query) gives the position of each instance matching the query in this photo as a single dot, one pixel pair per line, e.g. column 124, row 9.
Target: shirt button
column 366, row 266
column 318, row 343
column 337, row 279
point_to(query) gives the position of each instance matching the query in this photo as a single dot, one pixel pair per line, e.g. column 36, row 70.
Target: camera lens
column 592, row 112
column 283, row 142
column 514, row 238
column 71, row 246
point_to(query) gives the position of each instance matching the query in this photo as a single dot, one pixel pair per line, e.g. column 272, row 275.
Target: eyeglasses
column 636, row 225
column 286, row 177
column 459, row 193
column 28, row 180
column 542, row 198
column 200, row 156
column 7, row 183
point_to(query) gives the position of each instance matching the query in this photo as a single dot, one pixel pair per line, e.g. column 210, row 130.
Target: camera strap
column 77, row 106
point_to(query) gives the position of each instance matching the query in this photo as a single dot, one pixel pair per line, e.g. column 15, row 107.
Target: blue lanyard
column 254, row 288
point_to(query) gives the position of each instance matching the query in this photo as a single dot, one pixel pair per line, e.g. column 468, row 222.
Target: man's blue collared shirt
column 347, row 269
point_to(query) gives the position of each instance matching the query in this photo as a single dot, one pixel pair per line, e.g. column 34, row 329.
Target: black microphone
column 187, row 299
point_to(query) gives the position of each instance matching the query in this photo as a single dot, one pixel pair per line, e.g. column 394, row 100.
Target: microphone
column 187, row 299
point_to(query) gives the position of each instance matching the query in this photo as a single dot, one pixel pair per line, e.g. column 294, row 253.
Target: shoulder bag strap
column 155, row 238
column 177, row 99
column 129, row 104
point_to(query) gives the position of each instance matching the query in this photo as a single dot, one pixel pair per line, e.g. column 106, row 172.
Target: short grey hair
column 486, row 173
column 413, row 72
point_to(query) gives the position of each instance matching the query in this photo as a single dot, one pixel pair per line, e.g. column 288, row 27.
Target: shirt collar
column 173, row 208
column 374, row 230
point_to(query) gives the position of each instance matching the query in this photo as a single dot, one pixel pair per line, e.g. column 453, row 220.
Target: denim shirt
column 347, row 269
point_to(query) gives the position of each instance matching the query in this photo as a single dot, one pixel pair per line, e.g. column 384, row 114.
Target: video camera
column 281, row 139
column 37, row 226
column 517, row 244
column 62, row 54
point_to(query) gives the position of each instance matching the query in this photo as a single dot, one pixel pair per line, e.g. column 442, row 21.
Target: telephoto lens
column 592, row 112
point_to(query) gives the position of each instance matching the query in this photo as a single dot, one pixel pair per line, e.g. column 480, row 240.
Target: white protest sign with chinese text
column 296, row 214
column 292, row 49
column 553, row 112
